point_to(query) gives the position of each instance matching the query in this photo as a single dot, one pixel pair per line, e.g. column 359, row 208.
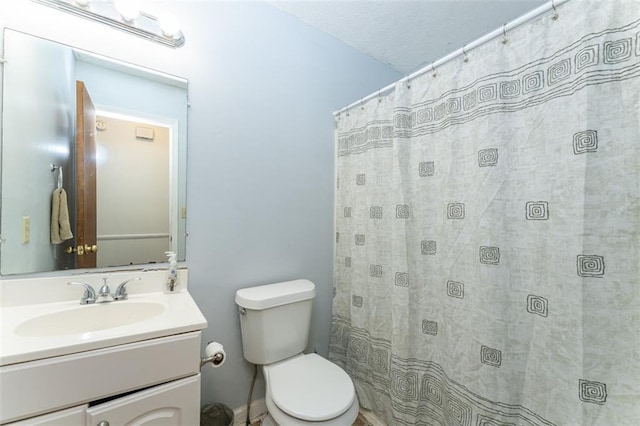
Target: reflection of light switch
column 26, row 229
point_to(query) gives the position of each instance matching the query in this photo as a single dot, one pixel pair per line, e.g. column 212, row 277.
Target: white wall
column 128, row 166
column 262, row 88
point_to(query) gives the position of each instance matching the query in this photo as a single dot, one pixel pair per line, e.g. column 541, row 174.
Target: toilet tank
column 275, row 320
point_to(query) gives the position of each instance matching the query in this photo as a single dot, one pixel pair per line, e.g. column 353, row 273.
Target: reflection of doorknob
column 79, row 250
column 70, row 250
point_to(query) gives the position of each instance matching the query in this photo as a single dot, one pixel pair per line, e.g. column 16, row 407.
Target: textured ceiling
column 407, row 34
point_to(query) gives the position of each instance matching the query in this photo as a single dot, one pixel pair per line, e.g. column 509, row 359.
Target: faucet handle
column 121, row 291
column 89, row 295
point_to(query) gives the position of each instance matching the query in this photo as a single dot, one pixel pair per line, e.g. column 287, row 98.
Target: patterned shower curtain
column 487, row 265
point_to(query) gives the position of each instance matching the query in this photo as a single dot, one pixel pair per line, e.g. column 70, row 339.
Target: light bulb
column 128, row 9
column 169, row 24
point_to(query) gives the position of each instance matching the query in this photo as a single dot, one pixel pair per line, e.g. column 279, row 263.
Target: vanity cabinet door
column 172, row 404
column 51, row 384
column 69, row 417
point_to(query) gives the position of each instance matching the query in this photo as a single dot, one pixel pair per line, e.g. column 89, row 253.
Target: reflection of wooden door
column 86, row 177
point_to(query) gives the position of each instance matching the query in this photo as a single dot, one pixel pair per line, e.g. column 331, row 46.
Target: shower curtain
column 487, row 231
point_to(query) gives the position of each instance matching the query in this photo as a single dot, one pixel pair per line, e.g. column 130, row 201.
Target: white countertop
column 180, row 315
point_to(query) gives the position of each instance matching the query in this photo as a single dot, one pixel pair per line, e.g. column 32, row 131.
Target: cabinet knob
column 103, row 423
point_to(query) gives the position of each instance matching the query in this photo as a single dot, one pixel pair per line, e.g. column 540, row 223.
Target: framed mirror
column 93, row 160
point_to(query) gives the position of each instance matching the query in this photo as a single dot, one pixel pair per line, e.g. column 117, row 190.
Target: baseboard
column 258, row 412
column 371, row 418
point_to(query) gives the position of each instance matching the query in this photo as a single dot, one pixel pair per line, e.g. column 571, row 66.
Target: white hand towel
column 60, row 226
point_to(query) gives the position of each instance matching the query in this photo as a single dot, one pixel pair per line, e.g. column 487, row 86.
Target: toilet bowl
column 309, row 390
column 300, row 389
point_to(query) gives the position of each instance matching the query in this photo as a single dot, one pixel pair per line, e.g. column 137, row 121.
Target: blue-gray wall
column 261, row 174
column 262, row 89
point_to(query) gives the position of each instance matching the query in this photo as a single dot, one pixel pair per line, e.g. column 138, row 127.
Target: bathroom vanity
column 134, row 360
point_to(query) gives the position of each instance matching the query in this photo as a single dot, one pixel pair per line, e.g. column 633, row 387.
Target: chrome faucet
column 89, row 295
column 104, row 294
column 121, row 291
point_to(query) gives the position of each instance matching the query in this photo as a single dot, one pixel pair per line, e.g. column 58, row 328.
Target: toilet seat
column 311, row 388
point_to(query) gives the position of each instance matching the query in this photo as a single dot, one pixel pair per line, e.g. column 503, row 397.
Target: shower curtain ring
column 464, row 52
column 380, row 95
column 504, row 34
column 555, row 11
column 362, row 104
column 433, row 68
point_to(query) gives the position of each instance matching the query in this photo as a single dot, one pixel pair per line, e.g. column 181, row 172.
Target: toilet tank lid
column 272, row 295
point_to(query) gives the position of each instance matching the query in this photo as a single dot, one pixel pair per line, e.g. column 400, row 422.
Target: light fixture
column 124, row 15
column 128, row 9
column 169, row 24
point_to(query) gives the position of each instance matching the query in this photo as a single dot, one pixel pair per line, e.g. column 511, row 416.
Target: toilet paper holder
column 214, row 354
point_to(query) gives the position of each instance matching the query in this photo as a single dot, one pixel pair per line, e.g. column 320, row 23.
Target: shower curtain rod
column 464, row 50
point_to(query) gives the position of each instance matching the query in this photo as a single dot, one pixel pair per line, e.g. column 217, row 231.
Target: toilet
column 301, row 389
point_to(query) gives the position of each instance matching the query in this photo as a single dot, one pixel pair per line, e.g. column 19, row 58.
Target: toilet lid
column 311, row 388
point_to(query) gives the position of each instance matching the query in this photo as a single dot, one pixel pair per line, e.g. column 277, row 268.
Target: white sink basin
column 42, row 318
column 89, row 318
